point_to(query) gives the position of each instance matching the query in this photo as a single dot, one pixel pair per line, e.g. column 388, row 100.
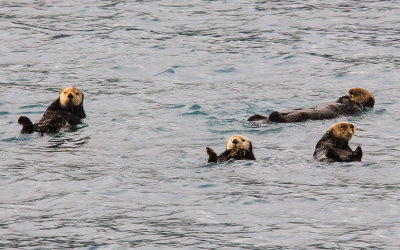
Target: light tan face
column 239, row 142
column 343, row 130
column 70, row 97
column 362, row 96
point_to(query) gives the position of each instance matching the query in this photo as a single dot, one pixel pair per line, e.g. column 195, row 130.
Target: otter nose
column 70, row 96
column 234, row 141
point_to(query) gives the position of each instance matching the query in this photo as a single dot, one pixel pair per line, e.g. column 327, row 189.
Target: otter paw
column 276, row 117
column 27, row 126
column 57, row 121
column 235, row 154
column 210, row 151
column 212, row 156
column 23, row 120
column 357, row 154
column 256, row 118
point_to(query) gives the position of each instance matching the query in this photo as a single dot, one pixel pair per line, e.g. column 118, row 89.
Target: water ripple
column 163, row 80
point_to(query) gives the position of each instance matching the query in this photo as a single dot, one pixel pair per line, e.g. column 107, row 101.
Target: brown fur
column 356, row 101
column 362, row 96
column 66, row 109
column 342, row 130
column 237, row 147
column 334, row 145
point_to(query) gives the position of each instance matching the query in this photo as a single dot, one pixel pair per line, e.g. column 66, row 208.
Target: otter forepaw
column 237, row 154
column 55, row 124
column 357, row 154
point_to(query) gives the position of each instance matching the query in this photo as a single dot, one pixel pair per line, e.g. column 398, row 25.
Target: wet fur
column 54, row 118
column 237, row 153
column 332, row 148
column 345, row 105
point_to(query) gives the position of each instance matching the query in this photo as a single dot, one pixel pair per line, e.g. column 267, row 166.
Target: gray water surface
column 163, row 80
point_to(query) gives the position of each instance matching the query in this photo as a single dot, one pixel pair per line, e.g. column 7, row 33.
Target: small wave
column 32, row 106
column 226, row 70
column 195, row 113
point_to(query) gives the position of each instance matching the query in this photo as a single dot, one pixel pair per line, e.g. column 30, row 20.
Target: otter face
column 239, row 142
column 343, row 130
column 362, row 96
column 70, row 97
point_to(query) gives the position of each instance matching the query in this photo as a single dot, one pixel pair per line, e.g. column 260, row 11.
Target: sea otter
column 334, row 145
column 238, row 147
column 357, row 100
column 66, row 109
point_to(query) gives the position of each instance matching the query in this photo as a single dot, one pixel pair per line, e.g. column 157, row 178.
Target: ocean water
column 163, row 80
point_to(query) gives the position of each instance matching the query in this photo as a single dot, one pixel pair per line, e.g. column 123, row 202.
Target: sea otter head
column 362, row 96
column 239, row 142
column 70, row 97
column 342, row 130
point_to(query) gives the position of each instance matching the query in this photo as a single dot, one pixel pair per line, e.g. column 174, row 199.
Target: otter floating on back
column 237, row 147
column 334, row 145
column 357, row 100
column 66, row 109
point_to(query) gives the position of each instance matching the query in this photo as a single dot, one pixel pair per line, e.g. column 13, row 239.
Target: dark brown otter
column 67, row 109
column 357, row 100
column 238, row 148
column 334, row 145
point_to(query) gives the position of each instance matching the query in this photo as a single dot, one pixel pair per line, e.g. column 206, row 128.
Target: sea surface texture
column 165, row 79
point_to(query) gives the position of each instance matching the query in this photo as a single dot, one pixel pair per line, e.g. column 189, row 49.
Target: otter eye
column 77, row 93
column 351, row 92
column 243, row 140
column 65, row 92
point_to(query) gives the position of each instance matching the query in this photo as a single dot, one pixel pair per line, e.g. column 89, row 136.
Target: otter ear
column 371, row 102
